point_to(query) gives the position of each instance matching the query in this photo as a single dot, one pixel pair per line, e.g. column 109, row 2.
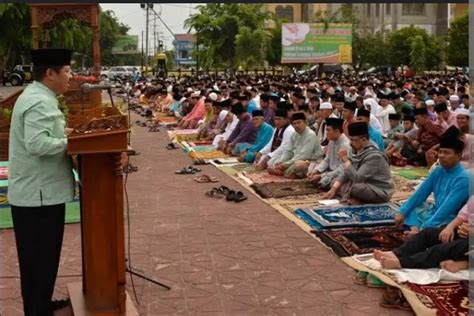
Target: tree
column 217, row 26
column 417, row 54
column 457, row 49
column 15, row 35
column 273, row 49
column 250, row 46
column 399, row 47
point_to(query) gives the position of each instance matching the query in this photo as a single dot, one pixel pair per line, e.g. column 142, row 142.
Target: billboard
column 314, row 43
column 126, row 44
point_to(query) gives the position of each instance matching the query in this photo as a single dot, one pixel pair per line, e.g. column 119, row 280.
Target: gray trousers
column 362, row 192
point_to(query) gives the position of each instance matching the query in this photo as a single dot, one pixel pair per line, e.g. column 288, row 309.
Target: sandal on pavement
column 185, row 171
column 239, row 197
column 394, row 300
column 214, row 193
column 374, row 282
column 230, row 195
column 361, row 278
column 171, row 146
column 194, row 168
column 205, row 179
column 154, row 129
column 198, row 162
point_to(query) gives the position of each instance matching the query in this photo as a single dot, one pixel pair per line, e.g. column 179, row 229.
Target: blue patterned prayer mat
column 348, row 216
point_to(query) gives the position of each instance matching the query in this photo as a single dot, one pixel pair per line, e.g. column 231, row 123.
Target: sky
column 173, row 14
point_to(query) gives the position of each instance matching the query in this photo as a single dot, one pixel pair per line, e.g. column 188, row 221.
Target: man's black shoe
column 60, row 304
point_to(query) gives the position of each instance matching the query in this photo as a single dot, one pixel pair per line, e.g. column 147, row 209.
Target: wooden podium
column 99, row 138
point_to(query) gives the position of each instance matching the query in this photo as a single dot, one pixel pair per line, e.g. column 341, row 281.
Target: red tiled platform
column 220, row 258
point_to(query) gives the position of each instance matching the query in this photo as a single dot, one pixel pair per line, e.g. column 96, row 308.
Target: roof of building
column 184, row 37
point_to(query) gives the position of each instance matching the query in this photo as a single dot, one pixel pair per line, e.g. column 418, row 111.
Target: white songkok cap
column 430, row 102
column 325, row 106
column 454, row 98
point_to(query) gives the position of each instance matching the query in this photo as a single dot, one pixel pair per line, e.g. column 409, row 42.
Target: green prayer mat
column 73, row 210
column 412, row 173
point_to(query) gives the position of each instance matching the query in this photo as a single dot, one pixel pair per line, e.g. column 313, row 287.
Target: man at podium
column 40, row 179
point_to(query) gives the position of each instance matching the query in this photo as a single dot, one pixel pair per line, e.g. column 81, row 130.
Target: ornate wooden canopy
column 46, row 15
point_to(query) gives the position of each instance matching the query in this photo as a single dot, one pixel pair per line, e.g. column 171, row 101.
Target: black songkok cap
column 394, row 116
column 298, row 116
column 451, row 139
column 358, row 129
column 238, row 108
column 441, row 107
column 51, row 57
column 363, row 112
column 350, row 106
column 257, row 113
column 281, row 113
column 420, row 111
column 334, row 122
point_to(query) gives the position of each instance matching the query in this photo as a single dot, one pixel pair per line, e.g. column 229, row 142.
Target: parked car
column 116, row 72
column 19, row 75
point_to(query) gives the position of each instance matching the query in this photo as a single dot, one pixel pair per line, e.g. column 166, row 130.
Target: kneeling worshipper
column 367, row 177
column 279, row 142
column 375, row 136
column 408, row 134
column 304, row 146
column 212, row 121
column 462, row 117
column 440, row 247
column 248, row 151
column 395, row 127
column 244, row 132
column 322, row 174
column 446, row 118
column 230, row 121
column 449, row 183
column 198, row 112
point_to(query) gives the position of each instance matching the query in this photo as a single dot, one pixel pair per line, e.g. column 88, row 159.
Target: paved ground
column 5, row 91
column 220, row 258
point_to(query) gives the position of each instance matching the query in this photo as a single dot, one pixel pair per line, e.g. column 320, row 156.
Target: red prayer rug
column 354, row 241
column 447, row 298
column 3, row 173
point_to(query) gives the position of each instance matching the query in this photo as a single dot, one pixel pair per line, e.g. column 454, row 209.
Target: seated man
column 323, row 173
column 428, row 136
column 375, row 136
column 367, row 177
column 198, row 111
column 446, row 118
column 442, row 247
column 449, row 183
column 264, row 134
column 408, row 134
column 303, row 147
column 278, row 143
column 244, row 132
column 395, row 127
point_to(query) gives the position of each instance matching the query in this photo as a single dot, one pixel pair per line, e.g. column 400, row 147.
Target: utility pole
column 146, row 39
column 154, row 34
column 143, row 60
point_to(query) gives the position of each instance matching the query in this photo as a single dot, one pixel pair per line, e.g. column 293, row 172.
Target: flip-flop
column 198, row 162
column 214, row 193
column 239, row 197
column 374, row 282
column 230, row 195
column 194, row 168
column 224, row 190
column 185, row 171
column 394, row 300
column 361, row 278
column 171, row 146
column 154, row 129
column 205, row 179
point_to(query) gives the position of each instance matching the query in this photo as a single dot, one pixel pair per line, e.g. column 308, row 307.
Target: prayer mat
column 446, row 298
column 347, row 216
column 264, row 177
column 3, row 173
column 414, row 173
column 234, row 169
column 200, row 143
column 203, row 148
column 207, row 155
column 282, row 189
column 359, row 240
column 73, row 214
column 182, row 132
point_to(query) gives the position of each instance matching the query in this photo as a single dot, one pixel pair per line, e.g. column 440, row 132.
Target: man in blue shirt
column 264, row 134
column 449, row 183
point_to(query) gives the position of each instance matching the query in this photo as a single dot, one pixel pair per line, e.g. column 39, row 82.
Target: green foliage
column 15, row 34
column 218, row 27
column 417, row 54
column 273, row 51
column 399, row 47
column 250, row 46
column 457, row 49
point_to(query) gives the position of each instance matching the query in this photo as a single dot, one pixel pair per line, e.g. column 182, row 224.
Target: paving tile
column 219, row 258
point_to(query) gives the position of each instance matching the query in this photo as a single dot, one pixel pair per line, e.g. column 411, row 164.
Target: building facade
column 183, row 48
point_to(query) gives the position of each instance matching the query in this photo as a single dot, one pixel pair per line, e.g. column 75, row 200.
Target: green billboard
column 316, row 43
column 126, row 44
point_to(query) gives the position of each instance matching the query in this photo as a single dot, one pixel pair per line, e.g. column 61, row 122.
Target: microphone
column 88, row 87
